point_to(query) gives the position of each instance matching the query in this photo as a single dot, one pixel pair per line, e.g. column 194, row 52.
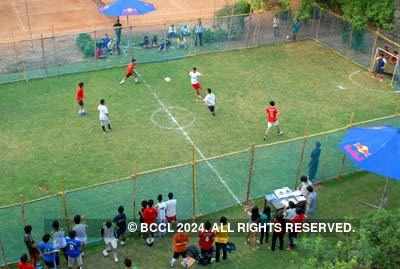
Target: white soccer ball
column 167, row 79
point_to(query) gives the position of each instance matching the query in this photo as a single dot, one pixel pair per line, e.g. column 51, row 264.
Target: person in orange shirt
column 80, row 98
column 179, row 244
column 130, row 71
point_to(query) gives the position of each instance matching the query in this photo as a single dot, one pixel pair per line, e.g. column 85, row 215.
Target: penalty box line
column 188, row 138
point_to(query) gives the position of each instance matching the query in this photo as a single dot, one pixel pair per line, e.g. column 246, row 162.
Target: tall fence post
column 302, row 152
column 344, row 155
column 252, row 151
column 43, row 54
column 134, row 192
column 64, row 205
column 95, row 45
column 3, row 255
column 194, row 182
column 372, row 60
column 23, row 216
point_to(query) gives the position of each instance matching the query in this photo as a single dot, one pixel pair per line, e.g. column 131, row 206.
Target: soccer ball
column 167, row 79
column 136, row 80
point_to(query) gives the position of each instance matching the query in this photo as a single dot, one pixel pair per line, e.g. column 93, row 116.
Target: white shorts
column 111, row 242
column 272, row 124
column 105, row 122
column 75, row 261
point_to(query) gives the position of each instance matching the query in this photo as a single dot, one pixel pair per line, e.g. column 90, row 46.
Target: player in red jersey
column 130, row 71
column 80, row 98
column 195, row 81
column 272, row 117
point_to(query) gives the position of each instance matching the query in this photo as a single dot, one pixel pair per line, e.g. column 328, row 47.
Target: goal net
column 392, row 65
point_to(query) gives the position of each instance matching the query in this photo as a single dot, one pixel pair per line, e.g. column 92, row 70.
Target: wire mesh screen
column 113, row 47
column 217, row 184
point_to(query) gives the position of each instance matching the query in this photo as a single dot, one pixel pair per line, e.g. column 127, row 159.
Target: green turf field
column 43, row 140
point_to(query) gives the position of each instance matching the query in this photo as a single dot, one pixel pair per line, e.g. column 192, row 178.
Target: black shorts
column 177, row 254
column 80, row 103
column 211, row 108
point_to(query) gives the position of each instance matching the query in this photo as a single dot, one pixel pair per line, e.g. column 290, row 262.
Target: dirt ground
column 25, row 19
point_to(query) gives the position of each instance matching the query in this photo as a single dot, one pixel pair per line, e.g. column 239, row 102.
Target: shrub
column 86, row 44
column 240, row 7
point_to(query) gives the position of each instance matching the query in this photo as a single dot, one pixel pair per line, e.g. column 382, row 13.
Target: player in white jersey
column 195, row 81
column 210, row 101
column 104, row 116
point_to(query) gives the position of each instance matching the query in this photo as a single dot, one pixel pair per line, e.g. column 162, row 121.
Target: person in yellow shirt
column 221, row 239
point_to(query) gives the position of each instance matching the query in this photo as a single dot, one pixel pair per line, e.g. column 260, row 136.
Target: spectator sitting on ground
column 105, row 41
column 206, row 242
column 24, row 264
column 164, row 45
column 99, row 53
column 154, row 41
column 182, row 43
column 172, row 33
column 146, row 42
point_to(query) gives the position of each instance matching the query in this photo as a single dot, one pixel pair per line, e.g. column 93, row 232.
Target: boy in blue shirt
column 48, row 252
column 73, row 251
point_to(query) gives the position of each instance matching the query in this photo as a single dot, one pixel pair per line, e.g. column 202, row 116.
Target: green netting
column 76, row 52
column 221, row 183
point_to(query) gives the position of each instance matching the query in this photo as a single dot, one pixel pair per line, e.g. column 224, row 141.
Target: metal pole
column 385, row 193
column 44, row 66
column 373, row 53
column 134, row 179
column 57, row 63
column 64, row 204
column 344, row 156
column 252, row 151
column 23, row 217
column 29, row 21
column 303, row 148
column 194, row 182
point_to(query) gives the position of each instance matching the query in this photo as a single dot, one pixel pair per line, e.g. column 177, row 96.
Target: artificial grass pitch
column 44, row 142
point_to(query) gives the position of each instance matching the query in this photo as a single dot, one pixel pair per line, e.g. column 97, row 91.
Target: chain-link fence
column 201, row 187
column 106, row 48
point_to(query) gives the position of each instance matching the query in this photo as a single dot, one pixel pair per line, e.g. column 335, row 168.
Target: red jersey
column 271, row 114
column 80, row 94
column 149, row 215
column 299, row 218
column 25, row 266
column 131, row 68
column 206, row 239
column 180, row 242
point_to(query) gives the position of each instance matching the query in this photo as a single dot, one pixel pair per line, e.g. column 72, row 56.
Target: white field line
column 189, row 139
column 350, row 77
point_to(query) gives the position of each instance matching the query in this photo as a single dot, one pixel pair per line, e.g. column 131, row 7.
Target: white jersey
column 210, row 99
column 194, row 77
column 171, row 208
column 161, row 211
column 103, row 112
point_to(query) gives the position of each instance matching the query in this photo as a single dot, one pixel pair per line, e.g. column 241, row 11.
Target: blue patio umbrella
column 127, row 8
column 374, row 149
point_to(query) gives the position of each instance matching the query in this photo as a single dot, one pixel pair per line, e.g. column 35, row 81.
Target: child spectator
column 110, row 241
column 221, row 239
column 120, row 221
column 161, row 208
column 206, row 242
column 30, row 245
column 179, row 242
column 48, row 252
column 311, row 205
column 278, row 232
column 171, row 208
column 24, row 264
column 290, row 211
column 298, row 218
column 58, row 236
column 81, row 233
column 73, row 250
column 265, row 218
